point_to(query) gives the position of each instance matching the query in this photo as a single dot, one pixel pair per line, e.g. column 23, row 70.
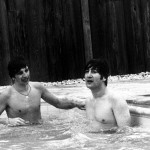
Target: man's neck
column 99, row 92
column 21, row 87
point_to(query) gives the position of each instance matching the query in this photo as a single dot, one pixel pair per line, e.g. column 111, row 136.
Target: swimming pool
column 69, row 130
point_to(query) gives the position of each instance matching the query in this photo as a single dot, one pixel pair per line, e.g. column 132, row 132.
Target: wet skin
column 22, row 100
column 105, row 110
column 26, row 108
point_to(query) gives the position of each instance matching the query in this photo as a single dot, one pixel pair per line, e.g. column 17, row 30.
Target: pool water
column 70, row 130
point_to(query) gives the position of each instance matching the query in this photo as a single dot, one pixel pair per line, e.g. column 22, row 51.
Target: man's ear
column 13, row 79
column 104, row 79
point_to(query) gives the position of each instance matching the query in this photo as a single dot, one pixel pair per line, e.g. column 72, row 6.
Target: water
column 69, row 129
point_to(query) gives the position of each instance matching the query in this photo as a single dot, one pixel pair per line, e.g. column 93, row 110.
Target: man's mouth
column 25, row 79
column 89, row 81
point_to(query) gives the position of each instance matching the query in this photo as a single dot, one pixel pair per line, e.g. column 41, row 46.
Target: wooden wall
column 120, row 32
column 58, row 37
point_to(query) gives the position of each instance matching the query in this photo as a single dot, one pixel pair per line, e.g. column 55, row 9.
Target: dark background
column 57, row 37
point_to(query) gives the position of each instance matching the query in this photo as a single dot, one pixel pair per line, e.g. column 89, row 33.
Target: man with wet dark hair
column 15, row 65
column 105, row 109
column 101, row 66
column 22, row 99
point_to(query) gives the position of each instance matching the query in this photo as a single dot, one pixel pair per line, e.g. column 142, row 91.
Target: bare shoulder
column 36, row 85
column 116, row 98
column 6, row 93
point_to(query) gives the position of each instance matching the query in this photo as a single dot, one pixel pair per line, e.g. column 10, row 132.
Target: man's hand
column 80, row 104
column 82, row 107
column 17, row 122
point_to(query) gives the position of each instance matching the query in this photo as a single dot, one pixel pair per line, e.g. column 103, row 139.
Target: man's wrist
column 75, row 103
column 79, row 104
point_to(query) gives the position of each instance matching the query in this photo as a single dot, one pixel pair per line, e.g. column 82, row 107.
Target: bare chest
column 101, row 112
column 21, row 104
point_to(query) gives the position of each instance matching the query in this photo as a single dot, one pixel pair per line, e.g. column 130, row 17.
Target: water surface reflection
column 69, row 130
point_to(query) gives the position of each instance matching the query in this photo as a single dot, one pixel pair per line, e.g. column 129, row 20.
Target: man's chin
column 89, row 86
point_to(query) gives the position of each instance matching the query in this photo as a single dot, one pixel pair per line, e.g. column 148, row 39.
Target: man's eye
column 94, row 71
column 19, row 73
column 26, row 70
column 86, row 71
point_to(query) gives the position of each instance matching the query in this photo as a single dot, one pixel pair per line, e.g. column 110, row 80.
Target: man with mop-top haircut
column 105, row 109
column 22, row 100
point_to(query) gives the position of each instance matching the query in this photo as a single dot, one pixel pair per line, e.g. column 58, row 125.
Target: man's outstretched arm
column 62, row 102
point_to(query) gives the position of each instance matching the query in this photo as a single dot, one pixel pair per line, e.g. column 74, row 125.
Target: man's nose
column 89, row 74
column 25, row 74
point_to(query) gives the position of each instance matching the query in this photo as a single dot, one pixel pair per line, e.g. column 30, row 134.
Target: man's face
column 93, row 78
column 23, row 76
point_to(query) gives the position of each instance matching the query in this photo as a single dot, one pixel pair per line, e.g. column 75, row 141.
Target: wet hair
column 101, row 65
column 15, row 65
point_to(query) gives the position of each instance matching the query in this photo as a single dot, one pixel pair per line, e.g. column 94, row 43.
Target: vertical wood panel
column 4, row 44
column 78, row 39
column 122, row 63
column 17, row 34
column 112, row 37
column 129, row 35
column 145, row 8
column 52, row 39
column 115, row 37
column 66, row 48
column 137, row 34
column 97, row 23
column 73, row 56
column 134, row 36
column 36, row 40
column 108, row 33
column 87, row 30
